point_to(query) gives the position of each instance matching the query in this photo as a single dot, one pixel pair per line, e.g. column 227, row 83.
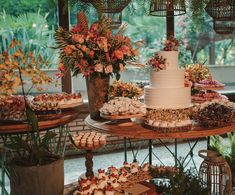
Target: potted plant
column 226, row 149
column 34, row 168
column 96, row 53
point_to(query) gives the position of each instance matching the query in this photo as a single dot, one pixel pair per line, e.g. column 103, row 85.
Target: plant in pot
column 226, row 148
column 34, row 168
column 97, row 54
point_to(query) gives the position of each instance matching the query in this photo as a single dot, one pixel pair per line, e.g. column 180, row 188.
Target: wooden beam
column 63, row 12
column 170, row 23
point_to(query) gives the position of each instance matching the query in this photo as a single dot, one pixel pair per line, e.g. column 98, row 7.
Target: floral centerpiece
column 171, row 44
column 96, row 50
column 157, row 62
column 123, row 89
column 96, row 53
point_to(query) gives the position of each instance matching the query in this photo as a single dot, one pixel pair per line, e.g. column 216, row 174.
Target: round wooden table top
column 44, row 124
column 134, row 130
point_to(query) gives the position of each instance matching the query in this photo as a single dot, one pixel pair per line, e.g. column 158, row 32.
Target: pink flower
column 121, row 67
column 99, row 67
column 94, row 27
column 118, row 54
column 91, row 54
column 108, row 69
column 78, row 38
column 126, row 50
column 68, row 49
column 103, row 43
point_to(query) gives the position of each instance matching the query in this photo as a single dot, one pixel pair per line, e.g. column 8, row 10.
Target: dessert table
column 20, row 128
column 133, row 129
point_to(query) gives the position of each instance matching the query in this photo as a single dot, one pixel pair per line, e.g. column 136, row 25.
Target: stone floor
column 76, row 166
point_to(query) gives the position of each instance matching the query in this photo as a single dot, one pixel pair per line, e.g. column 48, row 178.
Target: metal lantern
column 110, row 6
column 167, row 8
column 224, row 27
column 215, row 173
column 221, row 9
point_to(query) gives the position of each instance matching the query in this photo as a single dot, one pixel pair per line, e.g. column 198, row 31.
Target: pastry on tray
column 89, row 140
column 123, row 106
column 12, row 108
column 209, row 84
column 202, row 96
column 47, row 102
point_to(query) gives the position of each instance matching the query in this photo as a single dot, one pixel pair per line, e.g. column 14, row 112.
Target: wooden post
column 63, row 11
column 212, row 49
column 170, row 23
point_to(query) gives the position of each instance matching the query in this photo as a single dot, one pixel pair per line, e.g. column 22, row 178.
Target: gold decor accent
column 167, row 8
column 110, row 6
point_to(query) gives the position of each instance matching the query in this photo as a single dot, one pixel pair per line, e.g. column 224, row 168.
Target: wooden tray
column 67, row 106
column 209, row 88
column 168, row 129
column 119, row 117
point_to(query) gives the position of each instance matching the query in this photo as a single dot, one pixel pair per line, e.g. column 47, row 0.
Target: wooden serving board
column 67, row 106
column 119, row 117
column 209, row 88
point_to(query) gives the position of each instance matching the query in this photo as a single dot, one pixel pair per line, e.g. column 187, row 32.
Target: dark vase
column 38, row 180
column 97, row 91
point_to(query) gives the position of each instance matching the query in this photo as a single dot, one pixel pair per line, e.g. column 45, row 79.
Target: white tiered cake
column 167, row 98
column 167, row 90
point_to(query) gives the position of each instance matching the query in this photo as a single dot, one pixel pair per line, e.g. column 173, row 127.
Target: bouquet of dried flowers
column 15, row 64
column 197, row 72
column 171, row 44
column 96, row 50
column 123, row 89
column 157, row 62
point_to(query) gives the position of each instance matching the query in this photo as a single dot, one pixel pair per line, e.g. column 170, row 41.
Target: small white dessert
column 98, row 192
column 146, row 167
column 115, row 184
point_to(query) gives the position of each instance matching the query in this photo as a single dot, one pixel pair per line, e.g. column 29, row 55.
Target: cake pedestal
column 89, row 164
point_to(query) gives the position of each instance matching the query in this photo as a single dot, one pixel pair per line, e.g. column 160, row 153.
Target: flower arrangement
column 15, row 64
column 123, row 89
column 197, row 72
column 158, row 62
column 171, row 44
column 96, row 50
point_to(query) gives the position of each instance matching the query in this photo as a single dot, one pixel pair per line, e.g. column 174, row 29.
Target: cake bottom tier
column 167, row 98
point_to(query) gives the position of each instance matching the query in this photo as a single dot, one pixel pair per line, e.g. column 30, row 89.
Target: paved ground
column 75, row 167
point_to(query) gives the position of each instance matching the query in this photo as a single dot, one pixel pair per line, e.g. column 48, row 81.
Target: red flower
column 68, row 49
column 91, row 54
column 118, row 54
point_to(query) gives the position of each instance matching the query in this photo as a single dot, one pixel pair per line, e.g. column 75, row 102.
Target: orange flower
column 103, row 43
column 78, row 38
column 118, row 54
column 68, row 49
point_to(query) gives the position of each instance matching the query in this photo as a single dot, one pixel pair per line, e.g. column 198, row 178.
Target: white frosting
column 166, row 88
column 168, row 98
column 167, row 78
column 171, row 59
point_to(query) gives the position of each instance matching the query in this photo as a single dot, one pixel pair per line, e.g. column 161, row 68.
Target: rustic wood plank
column 134, row 130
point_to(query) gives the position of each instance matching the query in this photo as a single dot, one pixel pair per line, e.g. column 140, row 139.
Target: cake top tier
column 171, row 59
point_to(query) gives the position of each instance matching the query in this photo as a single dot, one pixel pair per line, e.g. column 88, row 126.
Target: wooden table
column 61, row 119
column 10, row 129
column 134, row 130
column 129, row 129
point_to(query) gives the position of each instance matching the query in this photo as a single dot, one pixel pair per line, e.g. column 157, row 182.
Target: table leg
column 176, row 153
column 3, row 170
column 208, row 142
column 125, row 150
column 89, row 164
column 150, row 152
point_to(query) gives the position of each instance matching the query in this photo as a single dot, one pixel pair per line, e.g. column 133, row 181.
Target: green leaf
column 32, row 118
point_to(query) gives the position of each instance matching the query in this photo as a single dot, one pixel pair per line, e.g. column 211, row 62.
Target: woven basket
column 167, row 8
column 110, row 6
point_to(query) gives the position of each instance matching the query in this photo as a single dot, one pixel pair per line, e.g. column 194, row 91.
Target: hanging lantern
column 221, row 9
column 110, row 6
column 224, row 27
column 115, row 17
column 167, row 8
column 215, row 173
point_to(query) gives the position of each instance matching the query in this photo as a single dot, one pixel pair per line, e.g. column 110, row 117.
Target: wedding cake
column 167, row 98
